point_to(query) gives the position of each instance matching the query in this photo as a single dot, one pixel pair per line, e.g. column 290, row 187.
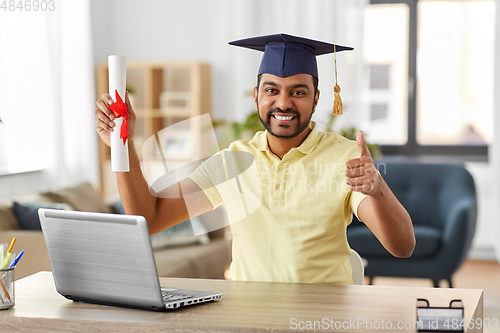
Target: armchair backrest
column 428, row 191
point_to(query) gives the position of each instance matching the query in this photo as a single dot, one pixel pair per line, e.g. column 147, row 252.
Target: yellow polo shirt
column 298, row 232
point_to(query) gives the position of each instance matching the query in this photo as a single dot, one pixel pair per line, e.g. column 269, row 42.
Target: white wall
column 486, row 237
column 486, row 244
column 149, row 31
column 494, row 211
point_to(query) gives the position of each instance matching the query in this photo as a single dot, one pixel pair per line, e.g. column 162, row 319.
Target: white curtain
column 338, row 22
column 47, row 94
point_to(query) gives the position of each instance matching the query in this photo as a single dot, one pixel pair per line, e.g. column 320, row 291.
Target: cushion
column 367, row 245
column 428, row 241
column 81, row 197
column 181, row 234
column 27, row 213
column 218, row 233
column 117, row 204
column 195, row 261
column 8, row 220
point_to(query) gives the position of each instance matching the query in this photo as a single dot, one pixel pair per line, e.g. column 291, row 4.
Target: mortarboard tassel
column 337, row 102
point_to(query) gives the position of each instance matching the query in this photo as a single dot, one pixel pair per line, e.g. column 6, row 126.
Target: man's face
column 285, row 105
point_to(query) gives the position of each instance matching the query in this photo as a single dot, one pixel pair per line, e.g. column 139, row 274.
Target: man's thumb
column 363, row 148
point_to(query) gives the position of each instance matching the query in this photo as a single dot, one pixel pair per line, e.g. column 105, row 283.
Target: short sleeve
column 202, row 177
column 356, row 199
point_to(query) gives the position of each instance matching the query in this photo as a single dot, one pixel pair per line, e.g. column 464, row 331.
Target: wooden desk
column 258, row 305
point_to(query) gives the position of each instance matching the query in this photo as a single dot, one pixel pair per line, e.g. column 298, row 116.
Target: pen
column 16, row 260
column 11, row 244
column 6, row 260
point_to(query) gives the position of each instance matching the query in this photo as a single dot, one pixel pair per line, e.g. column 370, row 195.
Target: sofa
column 191, row 257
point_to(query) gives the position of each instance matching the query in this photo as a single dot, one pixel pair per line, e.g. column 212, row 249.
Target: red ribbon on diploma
column 120, row 110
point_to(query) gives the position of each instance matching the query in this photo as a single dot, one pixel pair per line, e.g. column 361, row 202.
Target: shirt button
column 278, row 187
column 281, row 167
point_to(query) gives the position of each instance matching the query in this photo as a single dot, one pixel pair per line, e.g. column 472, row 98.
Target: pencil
column 5, row 290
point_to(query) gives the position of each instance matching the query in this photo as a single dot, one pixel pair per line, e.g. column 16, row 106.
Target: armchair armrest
column 458, row 233
column 461, row 217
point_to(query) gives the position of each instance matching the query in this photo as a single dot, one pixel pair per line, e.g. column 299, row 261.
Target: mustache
column 278, row 110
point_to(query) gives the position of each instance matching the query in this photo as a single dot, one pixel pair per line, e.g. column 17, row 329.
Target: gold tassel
column 337, row 102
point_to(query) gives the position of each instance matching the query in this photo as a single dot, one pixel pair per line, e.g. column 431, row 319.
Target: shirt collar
column 259, row 141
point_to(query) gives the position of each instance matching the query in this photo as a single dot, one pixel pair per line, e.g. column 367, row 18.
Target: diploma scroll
column 117, row 70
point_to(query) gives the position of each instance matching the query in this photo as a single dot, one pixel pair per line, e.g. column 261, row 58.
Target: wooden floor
column 472, row 275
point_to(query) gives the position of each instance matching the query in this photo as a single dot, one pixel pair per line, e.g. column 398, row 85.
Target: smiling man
column 311, row 182
column 285, row 107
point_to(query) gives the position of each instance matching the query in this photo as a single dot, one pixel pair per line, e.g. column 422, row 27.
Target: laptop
column 107, row 259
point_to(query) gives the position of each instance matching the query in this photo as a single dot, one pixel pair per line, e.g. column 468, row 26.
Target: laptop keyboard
column 168, row 297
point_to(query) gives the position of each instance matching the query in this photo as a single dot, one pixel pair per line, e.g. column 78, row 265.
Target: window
column 386, row 55
column 431, row 71
column 24, row 92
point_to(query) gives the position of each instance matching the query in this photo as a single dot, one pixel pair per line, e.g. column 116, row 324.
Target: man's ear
column 256, row 96
column 316, row 99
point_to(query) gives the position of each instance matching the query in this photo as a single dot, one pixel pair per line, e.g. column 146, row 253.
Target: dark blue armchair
column 441, row 200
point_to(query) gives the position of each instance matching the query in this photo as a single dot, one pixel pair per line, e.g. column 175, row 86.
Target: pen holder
column 7, row 294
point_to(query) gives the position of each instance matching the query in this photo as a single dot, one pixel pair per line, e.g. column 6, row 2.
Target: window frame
column 412, row 148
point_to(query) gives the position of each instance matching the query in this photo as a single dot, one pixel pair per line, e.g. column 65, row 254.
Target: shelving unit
column 162, row 94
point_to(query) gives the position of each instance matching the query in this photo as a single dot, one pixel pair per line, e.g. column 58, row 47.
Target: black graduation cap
column 286, row 55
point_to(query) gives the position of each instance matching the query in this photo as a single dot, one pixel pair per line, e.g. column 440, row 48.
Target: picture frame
column 176, row 102
column 176, row 144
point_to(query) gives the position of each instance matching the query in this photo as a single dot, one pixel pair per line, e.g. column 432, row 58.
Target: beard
column 300, row 127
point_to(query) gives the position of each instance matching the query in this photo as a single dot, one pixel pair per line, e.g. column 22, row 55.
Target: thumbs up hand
column 361, row 174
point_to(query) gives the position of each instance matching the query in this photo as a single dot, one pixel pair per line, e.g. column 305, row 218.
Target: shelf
column 170, row 159
column 158, row 113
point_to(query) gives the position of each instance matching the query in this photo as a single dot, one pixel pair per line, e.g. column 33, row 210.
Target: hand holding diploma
column 117, row 69
column 105, row 123
column 113, row 113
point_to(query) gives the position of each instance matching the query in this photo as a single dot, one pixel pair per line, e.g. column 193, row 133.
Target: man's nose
column 284, row 102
